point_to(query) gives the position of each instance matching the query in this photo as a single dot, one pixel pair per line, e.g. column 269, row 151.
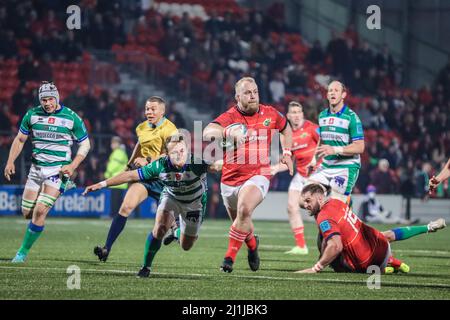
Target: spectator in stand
column 277, row 88
column 72, row 48
column 384, row 179
column 185, row 25
column 297, row 79
column 316, row 55
column 8, row 47
column 28, row 70
column 213, row 24
column 337, row 49
column 22, row 100
column 422, row 177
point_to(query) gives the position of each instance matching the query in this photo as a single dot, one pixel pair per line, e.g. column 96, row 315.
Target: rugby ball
column 235, row 130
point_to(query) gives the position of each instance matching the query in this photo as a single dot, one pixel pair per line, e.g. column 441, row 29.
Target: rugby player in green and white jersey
column 184, row 194
column 342, row 142
column 52, row 128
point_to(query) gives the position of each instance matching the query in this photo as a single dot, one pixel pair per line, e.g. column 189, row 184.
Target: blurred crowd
column 407, row 131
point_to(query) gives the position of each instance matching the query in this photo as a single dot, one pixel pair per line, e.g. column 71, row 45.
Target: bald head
column 336, row 94
column 247, row 95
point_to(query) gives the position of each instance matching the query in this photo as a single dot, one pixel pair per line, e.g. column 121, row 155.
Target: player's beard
column 315, row 210
column 250, row 108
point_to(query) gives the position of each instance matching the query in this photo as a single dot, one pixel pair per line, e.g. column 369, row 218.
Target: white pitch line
column 300, row 278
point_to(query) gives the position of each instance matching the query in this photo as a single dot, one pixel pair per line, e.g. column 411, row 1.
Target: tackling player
column 184, row 194
column 305, row 138
column 245, row 174
column 342, row 142
column 53, row 128
column 348, row 243
column 151, row 136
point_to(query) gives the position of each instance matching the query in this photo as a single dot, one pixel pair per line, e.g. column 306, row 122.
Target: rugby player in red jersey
column 350, row 244
column 246, row 169
column 305, row 138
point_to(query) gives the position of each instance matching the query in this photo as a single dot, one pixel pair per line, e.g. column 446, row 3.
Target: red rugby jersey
column 304, row 143
column 362, row 245
column 252, row 157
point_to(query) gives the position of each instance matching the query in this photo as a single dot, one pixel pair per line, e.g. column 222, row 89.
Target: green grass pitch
column 194, row 274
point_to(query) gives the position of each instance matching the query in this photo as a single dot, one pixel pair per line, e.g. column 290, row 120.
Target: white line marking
column 300, row 278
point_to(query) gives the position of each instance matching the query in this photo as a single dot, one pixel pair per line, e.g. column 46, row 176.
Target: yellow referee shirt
column 151, row 137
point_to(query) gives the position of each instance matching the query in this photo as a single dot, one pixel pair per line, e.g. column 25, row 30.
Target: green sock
column 408, row 232
column 177, row 233
column 31, row 235
column 152, row 246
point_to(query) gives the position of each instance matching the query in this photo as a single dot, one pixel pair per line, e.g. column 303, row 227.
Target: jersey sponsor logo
column 193, row 216
column 178, row 176
column 266, row 122
column 359, row 129
column 339, row 181
column 304, row 135
column 324, row 226
column 331, row 121
column 49, row 135
column 51, row 120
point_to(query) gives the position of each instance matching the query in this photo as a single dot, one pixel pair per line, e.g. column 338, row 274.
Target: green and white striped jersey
column 52, row 135
column 186, row 185
column 340, row 129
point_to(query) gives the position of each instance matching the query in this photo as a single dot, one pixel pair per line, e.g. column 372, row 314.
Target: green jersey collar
column 337, row 113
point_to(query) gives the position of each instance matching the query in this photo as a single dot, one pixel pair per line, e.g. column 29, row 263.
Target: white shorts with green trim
column 341, row 180
column 43, row 175
column 191, row 214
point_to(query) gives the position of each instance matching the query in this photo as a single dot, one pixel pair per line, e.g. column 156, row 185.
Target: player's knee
column 160, row 230
column 27, row 208
column 187, row 245
column 126, row 208
column 244, row 210
column 187, row 242
column 27, row 214
column 40, row 212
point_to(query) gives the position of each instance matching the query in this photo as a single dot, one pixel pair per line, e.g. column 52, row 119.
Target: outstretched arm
column 286, row 144
column 443, row 175
column 16, row 149
column 124, row 177
column 332, row 250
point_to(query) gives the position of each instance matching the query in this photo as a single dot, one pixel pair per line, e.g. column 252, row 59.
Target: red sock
column 251, row 241
column 394, row 262
column 299, row 237
column 236, row 239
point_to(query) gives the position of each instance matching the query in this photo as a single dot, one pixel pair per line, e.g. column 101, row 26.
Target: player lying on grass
column 350, row 245
column 184, row 194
